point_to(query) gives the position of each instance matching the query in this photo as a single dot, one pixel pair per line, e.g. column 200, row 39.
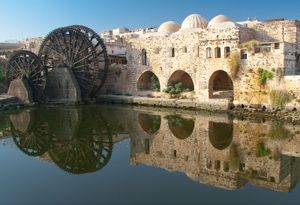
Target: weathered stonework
column 164, row 54
column 62, row 86
column 21, row 89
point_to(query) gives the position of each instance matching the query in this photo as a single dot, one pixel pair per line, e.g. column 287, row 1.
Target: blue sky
column 30, row 18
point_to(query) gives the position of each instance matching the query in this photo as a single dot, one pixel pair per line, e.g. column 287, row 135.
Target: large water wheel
column 82, row 51
column 27, row 66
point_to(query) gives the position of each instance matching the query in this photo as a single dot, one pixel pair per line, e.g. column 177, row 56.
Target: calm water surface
column 135, row 155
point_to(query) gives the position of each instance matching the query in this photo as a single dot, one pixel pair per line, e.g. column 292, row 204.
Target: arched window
column 208, row 52
column 226, row 51
column 144, row 57
column 173, row 52
column 217, row 52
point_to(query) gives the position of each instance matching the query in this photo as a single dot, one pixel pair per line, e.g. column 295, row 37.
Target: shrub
column 264, row 75
column 176, row 88
column 278, row 131
column 249, row 46
column 279, row 98
column 234, row 63
column 155, row 83
column 262, row 151
column 175, row 120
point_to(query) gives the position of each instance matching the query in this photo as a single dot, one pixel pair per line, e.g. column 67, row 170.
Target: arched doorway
column 220, row 85
column 182, row 77
column 148, row 81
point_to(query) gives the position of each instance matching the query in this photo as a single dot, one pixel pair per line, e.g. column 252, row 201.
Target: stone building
column 217, row 62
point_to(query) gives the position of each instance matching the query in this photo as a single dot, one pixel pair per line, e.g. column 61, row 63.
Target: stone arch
column 220, row 85
column 183, row 77
column 148, row 81
column 180, row 127
column 220, row 134
column 149, row 123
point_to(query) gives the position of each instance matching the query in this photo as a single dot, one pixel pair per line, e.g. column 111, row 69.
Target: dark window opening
column 144, row 57
column 276, row 45
column 217, row 52
column 173, row 52
column 244, row 55
column 227, row 52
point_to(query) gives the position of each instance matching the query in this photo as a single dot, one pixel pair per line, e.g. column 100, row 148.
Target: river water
column 102, row 154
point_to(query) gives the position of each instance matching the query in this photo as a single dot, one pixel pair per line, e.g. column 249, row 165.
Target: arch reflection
column 149, row 123
column 78, row 140
column 181, row 127
column 220, row 134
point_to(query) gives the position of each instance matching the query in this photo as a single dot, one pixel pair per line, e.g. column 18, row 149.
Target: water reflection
column 211, row 149
column 76, row 140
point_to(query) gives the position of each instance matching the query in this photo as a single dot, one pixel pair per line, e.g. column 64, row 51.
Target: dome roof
column 169, row 27
column 194, row 21
column 221, row 21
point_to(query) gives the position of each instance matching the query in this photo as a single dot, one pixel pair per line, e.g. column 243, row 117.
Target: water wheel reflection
column 75, row 141
column 31, row 138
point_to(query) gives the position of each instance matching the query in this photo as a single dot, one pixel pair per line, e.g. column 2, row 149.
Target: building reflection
column 222, row 152
column 213, row 149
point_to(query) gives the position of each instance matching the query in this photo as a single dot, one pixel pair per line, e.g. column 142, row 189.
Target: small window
column 147, row 146
column 276, row 45
column 217, row 52
column 208, row 52
column 243, row 55
column 173, row 52
column 272, row 179
column 226, row 167
column 174, row 153
column 185, row 49
column 217, row 165
column 226, row 52
column 242, row 167
column 144, row 57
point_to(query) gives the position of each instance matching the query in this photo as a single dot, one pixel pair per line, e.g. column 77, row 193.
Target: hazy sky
column 31, row 18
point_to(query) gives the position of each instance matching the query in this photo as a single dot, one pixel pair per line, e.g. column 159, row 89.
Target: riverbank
column 257, row 113
column 254, row 113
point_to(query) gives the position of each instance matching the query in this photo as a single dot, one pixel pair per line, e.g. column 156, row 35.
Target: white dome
column 169, row 27
column 221, row 21
column 194, row 21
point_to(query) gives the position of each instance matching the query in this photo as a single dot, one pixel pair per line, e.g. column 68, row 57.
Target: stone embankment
column 250, row 113
column 8, row 102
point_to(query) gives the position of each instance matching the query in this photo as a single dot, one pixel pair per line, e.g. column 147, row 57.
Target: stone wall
column 187, row 51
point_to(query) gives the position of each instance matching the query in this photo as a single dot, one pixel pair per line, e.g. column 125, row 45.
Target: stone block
column 21, row 89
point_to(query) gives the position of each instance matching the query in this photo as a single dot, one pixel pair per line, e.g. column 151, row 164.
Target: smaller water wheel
column 26, row 65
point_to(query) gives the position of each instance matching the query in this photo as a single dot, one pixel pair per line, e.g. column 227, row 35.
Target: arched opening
column 208, row 52
column 181, row 80
column 220, row 135
column 181, row 127
column 144, row 57
column 217, row 52
column 148, row 81
column 149, row 123
column 226, row 51
column 220, row 85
